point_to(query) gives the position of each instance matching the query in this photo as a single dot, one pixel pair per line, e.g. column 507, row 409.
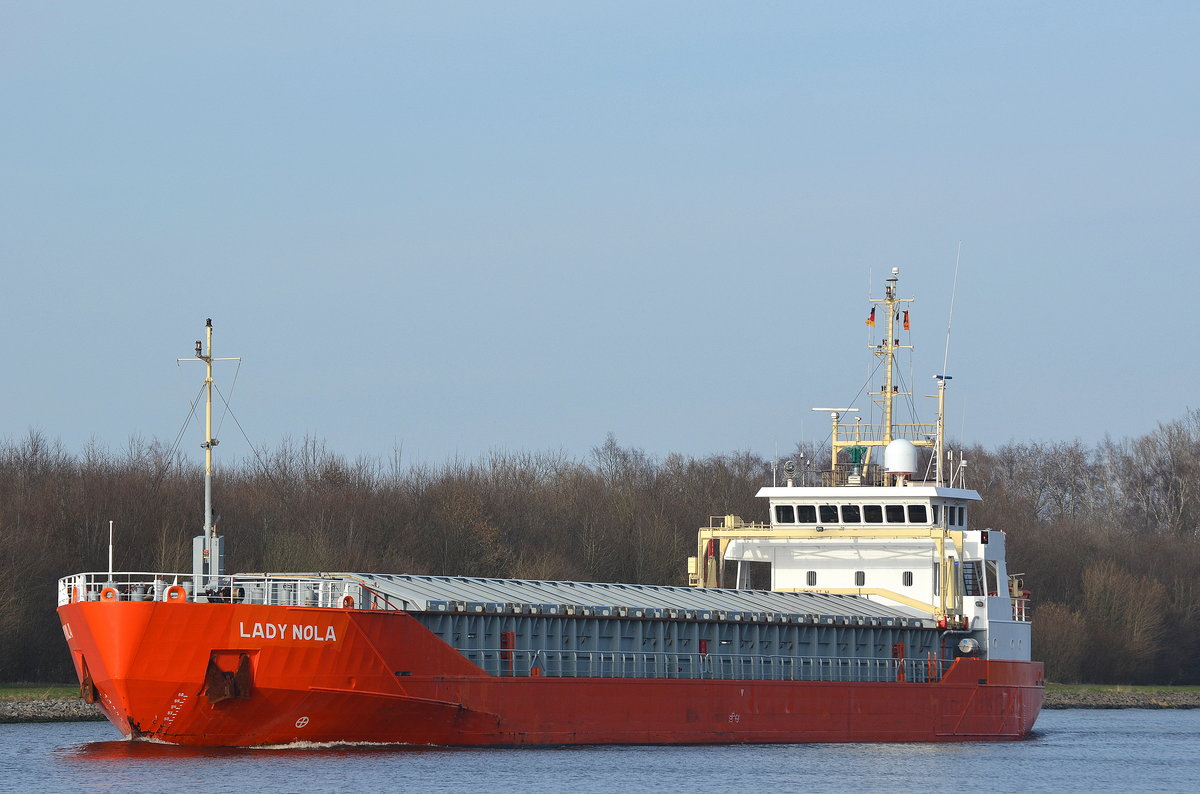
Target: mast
column 939, row 444
column 207, row 556
column 888, row 351
column 865, row 437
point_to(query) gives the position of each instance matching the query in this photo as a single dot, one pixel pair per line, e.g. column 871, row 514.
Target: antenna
column 940, row 443
column 950, row 320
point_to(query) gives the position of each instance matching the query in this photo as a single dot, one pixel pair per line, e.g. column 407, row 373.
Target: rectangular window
column 754, row 575
column 829, row 514
column 851, row 514
column 895, row 514
column 860, row 578
column 729, row 574
column 872, row 514
column 936, row 516
column 785, row 514
column 917, row 514
column 906, row 579
column 972, row 573
column 806, row 514
column 811, row 578
column 962, row 516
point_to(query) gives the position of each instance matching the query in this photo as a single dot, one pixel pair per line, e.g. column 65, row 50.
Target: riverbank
column 52, row 704
column 1090, row 696
column 57, row 709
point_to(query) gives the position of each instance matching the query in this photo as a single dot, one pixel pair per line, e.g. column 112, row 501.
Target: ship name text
column 282, row 631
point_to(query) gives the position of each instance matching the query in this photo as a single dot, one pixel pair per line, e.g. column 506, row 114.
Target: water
column 1071, row 750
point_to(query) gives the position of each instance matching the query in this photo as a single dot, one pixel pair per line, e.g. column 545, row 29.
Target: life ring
column 347, row 602
column 175, row 593
column 109, row 594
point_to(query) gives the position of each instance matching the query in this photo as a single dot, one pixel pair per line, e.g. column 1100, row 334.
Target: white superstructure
column 879, row 531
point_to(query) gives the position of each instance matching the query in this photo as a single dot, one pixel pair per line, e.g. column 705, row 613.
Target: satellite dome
column 900, row 457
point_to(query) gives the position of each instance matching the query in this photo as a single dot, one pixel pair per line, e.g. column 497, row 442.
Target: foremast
column 208, row 549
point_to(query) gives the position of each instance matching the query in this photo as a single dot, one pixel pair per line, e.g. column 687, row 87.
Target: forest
column 1106, row 536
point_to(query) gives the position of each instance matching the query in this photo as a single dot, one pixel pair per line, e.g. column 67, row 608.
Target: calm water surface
column 1072, row 750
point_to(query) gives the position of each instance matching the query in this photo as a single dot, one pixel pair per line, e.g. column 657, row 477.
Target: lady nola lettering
column 282, row 631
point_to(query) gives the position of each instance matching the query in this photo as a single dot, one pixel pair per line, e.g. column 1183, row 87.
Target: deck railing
column 272, row 589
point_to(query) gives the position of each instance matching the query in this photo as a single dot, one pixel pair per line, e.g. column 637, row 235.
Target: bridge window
column 917, row 514
column 860, row 578
column 872, row 514
column 806, row 514
column 895, row 514
column 829, row 514
column 851, row 514
column 936, row 514
column 785, row 514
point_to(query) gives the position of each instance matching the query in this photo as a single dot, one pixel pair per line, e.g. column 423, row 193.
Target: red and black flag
column 906, row 320
column 871, row 318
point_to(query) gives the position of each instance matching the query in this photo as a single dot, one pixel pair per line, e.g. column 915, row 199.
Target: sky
column 442, row 230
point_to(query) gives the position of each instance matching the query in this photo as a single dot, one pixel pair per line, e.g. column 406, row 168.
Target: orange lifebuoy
column 347, row 602
column 109, row 594
column 176, row 593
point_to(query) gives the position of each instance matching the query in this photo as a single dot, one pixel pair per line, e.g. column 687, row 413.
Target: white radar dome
column 900, row 457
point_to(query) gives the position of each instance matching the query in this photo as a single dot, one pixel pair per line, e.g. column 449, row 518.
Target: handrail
column 270, row 589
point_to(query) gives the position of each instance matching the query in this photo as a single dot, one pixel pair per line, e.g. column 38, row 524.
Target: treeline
column 1108, row 537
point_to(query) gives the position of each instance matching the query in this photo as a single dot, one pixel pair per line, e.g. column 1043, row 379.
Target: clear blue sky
column 461, row 227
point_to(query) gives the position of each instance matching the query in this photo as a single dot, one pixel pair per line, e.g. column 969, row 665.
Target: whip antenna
column 950, row 321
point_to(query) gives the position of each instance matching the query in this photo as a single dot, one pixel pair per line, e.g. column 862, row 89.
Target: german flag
column 871, row 318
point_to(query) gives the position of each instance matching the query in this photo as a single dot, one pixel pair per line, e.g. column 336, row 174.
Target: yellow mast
column 869, row 436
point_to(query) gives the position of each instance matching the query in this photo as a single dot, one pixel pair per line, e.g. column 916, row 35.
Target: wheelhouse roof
column 852, row 494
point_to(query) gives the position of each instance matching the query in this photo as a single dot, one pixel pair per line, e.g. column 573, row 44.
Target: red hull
column 372, row 676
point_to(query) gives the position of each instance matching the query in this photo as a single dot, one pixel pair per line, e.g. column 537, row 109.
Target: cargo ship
column 864, row 609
